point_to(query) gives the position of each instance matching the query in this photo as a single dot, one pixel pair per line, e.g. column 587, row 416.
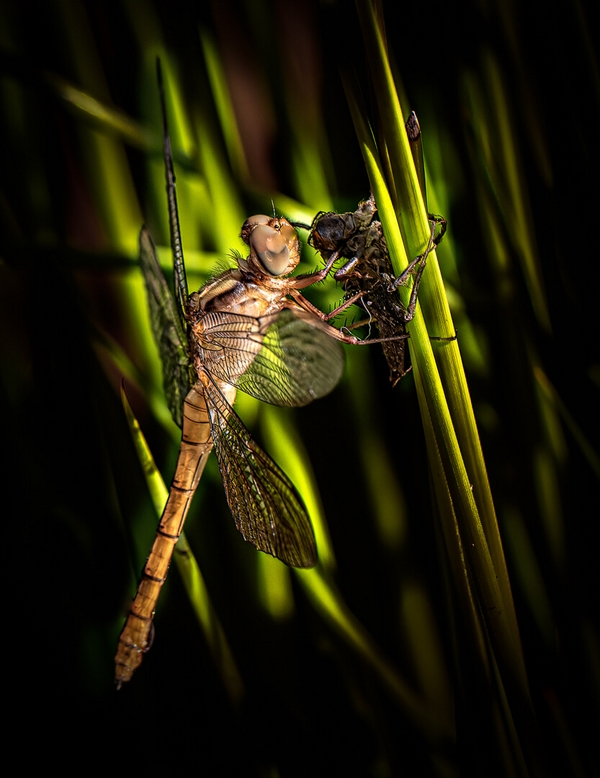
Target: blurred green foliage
column 373, row 664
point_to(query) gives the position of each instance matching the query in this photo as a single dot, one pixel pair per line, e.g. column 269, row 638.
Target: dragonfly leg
column 351, row 340
column 341, row 308
column 308, row 279
column 312, row 311
column 325, row 317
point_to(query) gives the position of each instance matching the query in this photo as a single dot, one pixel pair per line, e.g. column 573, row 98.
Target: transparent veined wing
column 168, row 329
column 266, row 507
column 281, row 359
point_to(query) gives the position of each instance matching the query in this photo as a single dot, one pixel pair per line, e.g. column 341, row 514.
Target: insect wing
column 282, row 359
column 265, row 505
column 167, row 328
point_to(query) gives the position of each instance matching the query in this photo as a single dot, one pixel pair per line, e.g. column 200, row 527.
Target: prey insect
column 367, row 275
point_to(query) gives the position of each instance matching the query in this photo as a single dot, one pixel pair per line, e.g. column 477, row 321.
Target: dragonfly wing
column 168, row 329
column 280, row 359
column 265, row 505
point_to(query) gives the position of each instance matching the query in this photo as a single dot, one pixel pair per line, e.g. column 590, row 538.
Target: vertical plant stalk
column 461, row 484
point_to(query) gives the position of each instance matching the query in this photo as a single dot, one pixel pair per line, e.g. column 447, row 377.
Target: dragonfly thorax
column 241, row 291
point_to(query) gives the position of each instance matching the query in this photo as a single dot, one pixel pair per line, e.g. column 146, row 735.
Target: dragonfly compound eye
column 272, row 249
column 273, row 244
column 251, row 224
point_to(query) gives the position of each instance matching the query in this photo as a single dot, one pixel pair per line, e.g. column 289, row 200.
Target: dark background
column 72, row 481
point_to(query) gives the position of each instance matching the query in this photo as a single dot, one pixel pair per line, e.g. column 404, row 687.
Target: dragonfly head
column 274, row 245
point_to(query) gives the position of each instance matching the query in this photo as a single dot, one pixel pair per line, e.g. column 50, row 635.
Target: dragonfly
column 248, row 328
column 368, row 275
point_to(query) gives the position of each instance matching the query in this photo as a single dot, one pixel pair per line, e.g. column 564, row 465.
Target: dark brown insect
column 368, row 276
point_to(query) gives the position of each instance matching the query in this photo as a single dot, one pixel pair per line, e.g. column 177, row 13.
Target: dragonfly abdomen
column 196, row 444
